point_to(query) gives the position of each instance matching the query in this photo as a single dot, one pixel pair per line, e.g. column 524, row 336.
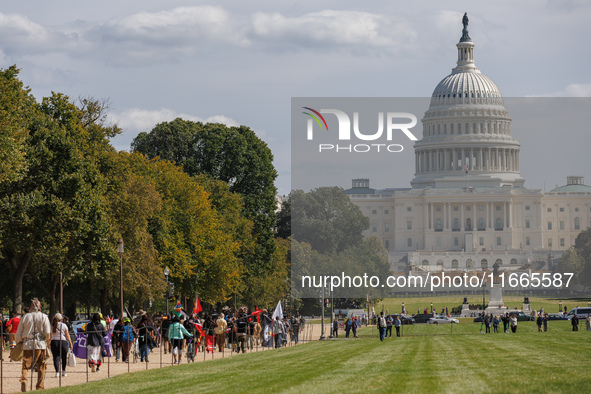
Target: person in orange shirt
column 12, row 327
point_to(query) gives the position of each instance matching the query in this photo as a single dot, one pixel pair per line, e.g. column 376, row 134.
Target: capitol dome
column 466, row 131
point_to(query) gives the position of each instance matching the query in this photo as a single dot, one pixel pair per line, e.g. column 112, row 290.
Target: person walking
column 128, row 335
column 513, row 320
column 60, row 344
column 575, row 322
column 335, row 328
column 164, row 327
column 355, row 323
column 381, row 323
column 588, row 322
column 278, row 331
column 389, row 324
column 397, row 324
column 295, row 327
column 545, row 322
column 95, row 342
column 347, row 327
column 539, row 322
column 144, row 330
column 12, row 328
column 116, row 339
column 220, row 331
column 176, row 333
column 34, row 331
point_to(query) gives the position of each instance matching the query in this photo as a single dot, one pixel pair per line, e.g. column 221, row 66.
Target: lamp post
column 166, row 272
column 322, row 337
column 120, row 250
column 483, row 287
column 331, row 313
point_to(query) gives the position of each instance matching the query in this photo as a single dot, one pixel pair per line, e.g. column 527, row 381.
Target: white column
column 431, row 217
column 480, row 159
column 471, row 159
column 462, row 224
column 510, row 215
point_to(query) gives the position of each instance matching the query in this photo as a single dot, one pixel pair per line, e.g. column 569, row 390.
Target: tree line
column 196, row 198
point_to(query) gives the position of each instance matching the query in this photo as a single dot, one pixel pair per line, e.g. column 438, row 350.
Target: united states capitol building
column 468, row 208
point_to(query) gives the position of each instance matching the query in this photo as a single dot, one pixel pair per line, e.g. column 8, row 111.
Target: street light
column 166, row 272
column 120, row 250
column 331, row 313
column 483, row 287
column 322, row 337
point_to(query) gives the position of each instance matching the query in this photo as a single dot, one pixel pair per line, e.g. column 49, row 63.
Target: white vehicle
column 442, row 320
column 581, row 313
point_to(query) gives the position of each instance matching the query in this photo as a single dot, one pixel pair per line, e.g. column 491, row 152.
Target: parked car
column 443, row 320
column 581, row 313
column 521, row 316
column 405, row 319
column 422, row 317
column 556, row 316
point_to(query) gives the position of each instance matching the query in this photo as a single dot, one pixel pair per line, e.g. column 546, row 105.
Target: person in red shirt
column 12, row 326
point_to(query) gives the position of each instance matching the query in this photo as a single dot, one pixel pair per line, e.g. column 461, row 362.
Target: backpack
column 382, row 321
column 127, row 335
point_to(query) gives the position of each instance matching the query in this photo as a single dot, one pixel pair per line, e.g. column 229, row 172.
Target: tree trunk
column 105, row 302
column 53, row 299
column 19, row 264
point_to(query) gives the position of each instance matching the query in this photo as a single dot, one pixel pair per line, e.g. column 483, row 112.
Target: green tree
column 326, row 219
column 54, row 217
column 234, row 155
column 571, row 261
column 16, row 108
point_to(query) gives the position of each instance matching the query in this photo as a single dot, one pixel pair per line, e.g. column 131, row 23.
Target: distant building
column 468, row 208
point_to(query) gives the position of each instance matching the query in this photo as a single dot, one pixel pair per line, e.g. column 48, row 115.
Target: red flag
column 257, row 313
column 197, row 308
column 199, row 328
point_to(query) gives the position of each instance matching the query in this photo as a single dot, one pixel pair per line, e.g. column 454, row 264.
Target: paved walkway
column 11, row 371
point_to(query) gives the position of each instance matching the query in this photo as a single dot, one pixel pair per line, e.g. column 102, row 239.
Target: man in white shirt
column 34, row 331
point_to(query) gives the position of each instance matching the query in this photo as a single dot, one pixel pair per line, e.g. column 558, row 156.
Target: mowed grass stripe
column 556, row 361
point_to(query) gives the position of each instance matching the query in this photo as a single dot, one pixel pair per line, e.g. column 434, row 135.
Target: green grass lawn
column 427, row 359
column 550, row 305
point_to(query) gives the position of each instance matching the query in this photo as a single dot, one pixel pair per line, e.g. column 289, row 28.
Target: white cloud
column 330, row 28
column 136, row 120
column 572, row 90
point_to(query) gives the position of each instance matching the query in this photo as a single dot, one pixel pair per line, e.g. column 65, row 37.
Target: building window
column 456, row 241
column 481, row 241
column 481, row 224
column 438, row 241
column 456, row 208
column 498, row 241
column 440, row 263
column 386, row 212
column 576, row 209
column 387, row 227
column 374, row 228
column 454, row 263
column 561, row 225
column 526, row 223
column 468, row 208
column 438, row 209
column 409, row 242
column 499, row 262
column 577, row 224
column 409, row 225
column 498, row 207
column 562, row 242
column 484, row 264
column 513, row 261
column 499, row 226
column 425, row 262
column 481, row 207
column 408, row 209
column 387, row 244
column 456, row 224
column 549, row 209
column 549, row 225
column 561, row 209
column 438, row 224
column 527, row 241
column 549, row 242
column 374, row 211
column 527, row 207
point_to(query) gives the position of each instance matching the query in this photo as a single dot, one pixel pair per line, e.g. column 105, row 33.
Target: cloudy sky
column 241, row 62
